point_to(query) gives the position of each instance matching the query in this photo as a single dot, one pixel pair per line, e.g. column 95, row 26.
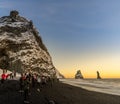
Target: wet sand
column 59, row 92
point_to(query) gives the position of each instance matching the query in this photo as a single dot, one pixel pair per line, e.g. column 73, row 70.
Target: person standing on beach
column 38, row 83
column 26, row 90
column 22, row 78
column 3, row 77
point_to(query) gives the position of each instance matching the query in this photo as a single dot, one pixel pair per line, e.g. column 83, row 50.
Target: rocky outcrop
column 21, row 47
column 59, row 75
column 78, row 75
column 98, row 75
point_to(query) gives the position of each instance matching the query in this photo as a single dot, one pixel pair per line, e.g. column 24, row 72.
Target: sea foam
column 109, row 86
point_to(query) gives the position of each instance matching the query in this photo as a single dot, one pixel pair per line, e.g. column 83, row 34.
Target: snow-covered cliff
column 21, row 47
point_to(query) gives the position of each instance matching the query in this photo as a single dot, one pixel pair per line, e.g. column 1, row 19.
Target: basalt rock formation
column 21, row 47
column 78, row 75
column 98, row 75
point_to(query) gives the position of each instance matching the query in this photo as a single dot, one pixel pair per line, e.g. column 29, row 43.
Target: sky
column 79, row 34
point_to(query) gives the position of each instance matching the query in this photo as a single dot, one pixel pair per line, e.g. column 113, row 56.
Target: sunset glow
column 79, row 34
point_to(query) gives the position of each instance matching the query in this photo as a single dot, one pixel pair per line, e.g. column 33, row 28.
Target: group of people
column 5, row 76
column 28, row 81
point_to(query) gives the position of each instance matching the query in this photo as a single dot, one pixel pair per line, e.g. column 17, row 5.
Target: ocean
column 109, row 86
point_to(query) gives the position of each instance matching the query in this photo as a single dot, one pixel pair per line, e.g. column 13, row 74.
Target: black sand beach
column 59, row 92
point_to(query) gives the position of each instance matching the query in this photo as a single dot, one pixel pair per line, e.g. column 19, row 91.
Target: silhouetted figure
column 22, row 78
column 33, row 82
column 26, row 90
column 4, row 76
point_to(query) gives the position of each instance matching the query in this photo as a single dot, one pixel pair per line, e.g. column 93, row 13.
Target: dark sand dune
column 60, row 93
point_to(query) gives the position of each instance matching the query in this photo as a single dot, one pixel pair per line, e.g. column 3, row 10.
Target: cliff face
column 21, row 47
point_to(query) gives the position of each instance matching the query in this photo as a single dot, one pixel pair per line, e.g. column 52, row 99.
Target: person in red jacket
column 3, row 78
column 7, row 76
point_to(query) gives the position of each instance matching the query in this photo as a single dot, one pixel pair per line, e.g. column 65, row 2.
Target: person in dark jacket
column 26, row 90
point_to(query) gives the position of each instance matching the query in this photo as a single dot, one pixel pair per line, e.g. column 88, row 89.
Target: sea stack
column 98, row 75
column 21, row 47
column 78, row 75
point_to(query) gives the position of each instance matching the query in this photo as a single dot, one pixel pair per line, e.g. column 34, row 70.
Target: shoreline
column 60, row 93
column 96, row 87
